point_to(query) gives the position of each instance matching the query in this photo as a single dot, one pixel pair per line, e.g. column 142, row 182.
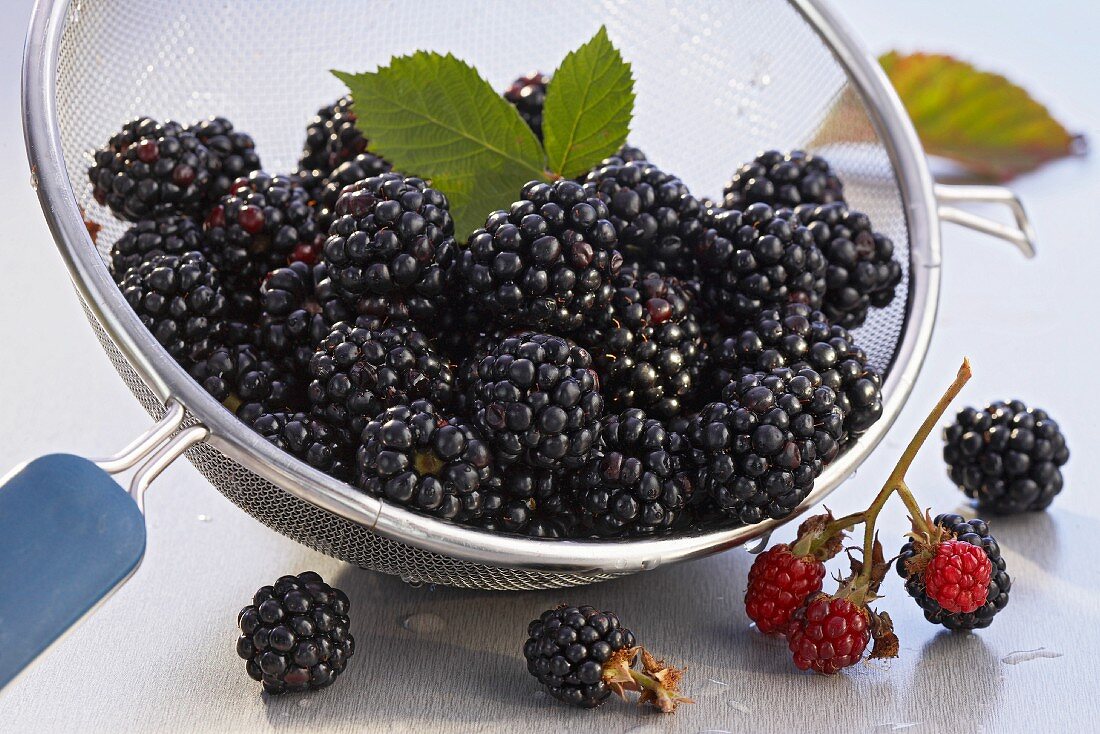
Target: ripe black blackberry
column 861, row 270
column 249, row 382
column 655, row 216
column 1006, row 456
column 299, row 309
column 532, row 502
column 754, row 260
column 423, row 459
column 636, row 485
column 647, row 347
column 263, row 223
column 295, row 635
column 390, row 248
column 975, row 532
column 149, row 170
column 169, row 235
column 537, row 400
column 233, row 150
column 796, row 336
column 332, row 450
column 332, row 138
column 762, row 447
column 546, row 263
column 328, row 190
column 181, row 301
column 528, row 94
column 568, row 647
column 358, row 372
column 783, row 180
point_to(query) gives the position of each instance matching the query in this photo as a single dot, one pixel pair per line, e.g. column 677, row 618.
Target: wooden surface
column 159, row 655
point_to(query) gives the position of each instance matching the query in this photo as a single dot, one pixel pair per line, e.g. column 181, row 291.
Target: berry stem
column 662, row 699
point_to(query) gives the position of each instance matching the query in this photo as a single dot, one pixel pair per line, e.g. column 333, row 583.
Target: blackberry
column 332, row 138
column 419, row 458
column 761, row 449
column 299, row 309
column 783, row 180
column 390, row 247
column 975, row 532
column 528, row 95
column 567, row 648
column 532, row 502
column 149, row 170
column 626, row 154
column 861, row 270
column 536, row 399
column 313, row 441
column 1006, row 456
column 233, row 150
column 261, row 224
column 635, row 486
column 358, row 372
column 180, row 300
column 797, row 337
column 655, row 216
column 328, row 190
column 546, row 263
column 169, row 235
column 295, row 635
column 647, row 346
column 754, row 260
column 249, row 382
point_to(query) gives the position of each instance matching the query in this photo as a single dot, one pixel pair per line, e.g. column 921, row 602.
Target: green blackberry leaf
column 589, row 106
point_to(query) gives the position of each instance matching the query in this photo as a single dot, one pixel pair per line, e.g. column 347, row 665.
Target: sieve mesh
column 753, row 75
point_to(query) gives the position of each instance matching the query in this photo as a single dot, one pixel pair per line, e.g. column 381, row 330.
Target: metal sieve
column 716, row 82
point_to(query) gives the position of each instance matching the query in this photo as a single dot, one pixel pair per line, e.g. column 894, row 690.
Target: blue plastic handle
column 69, row 535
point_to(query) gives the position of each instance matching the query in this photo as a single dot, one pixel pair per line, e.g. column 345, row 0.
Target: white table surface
column 159, row 655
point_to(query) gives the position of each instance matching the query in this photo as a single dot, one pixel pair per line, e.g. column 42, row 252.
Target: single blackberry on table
column 911, row 567
column 754, row 260
column 761, row 449
column 635, row 485
column 537, row 400
column 327, row 191
column 647, row 347
column 546, row 263
column 390, row 248
column 149, row 170
column 169, row 235
column 358, row 372
column 263, row 223
column 249, row 382
column 656, row 217
column 332, row 450
column 332, row 138
column 532, row 502
column 528, row 95
column 299, row 309
column 295, row 635
column 861, row 270
column 783, row 180
column 1006, row 456
column 181, row 301
column 420, row 458
column 233, row 150
column 796, row 336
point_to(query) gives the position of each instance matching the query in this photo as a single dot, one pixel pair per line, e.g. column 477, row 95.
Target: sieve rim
column 168, row 380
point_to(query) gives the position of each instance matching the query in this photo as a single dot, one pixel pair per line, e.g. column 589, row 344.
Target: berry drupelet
column 419, row 458
column 647, row 347
column 360, row 371
column 180, row 299
column 754, row 260
column 861, row 270
column 546, row 263
column 919, row 556
column 149, row 170
column 295, row 634
column 783, row 180
column 1006, row 456
column 332, row 138
column 313, row 441
column 528, row 95
column 635, row 486
column 233, row 151
column 390, row 246
column 537, row 400
column 172, row 234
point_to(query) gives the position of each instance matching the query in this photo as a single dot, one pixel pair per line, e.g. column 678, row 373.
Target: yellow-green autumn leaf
column 979, row 119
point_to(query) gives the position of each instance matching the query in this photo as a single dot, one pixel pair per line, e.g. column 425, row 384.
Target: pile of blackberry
column 606, row 357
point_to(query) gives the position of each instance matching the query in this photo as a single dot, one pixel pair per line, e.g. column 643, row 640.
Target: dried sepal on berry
column 665, row 696
column 886, row 644
column 818, row 538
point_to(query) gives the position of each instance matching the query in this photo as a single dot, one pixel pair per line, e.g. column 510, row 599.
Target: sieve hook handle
column 70, row 535
column 1022, row 235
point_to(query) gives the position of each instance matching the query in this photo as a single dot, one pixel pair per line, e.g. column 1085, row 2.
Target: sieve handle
column 1022, row 235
